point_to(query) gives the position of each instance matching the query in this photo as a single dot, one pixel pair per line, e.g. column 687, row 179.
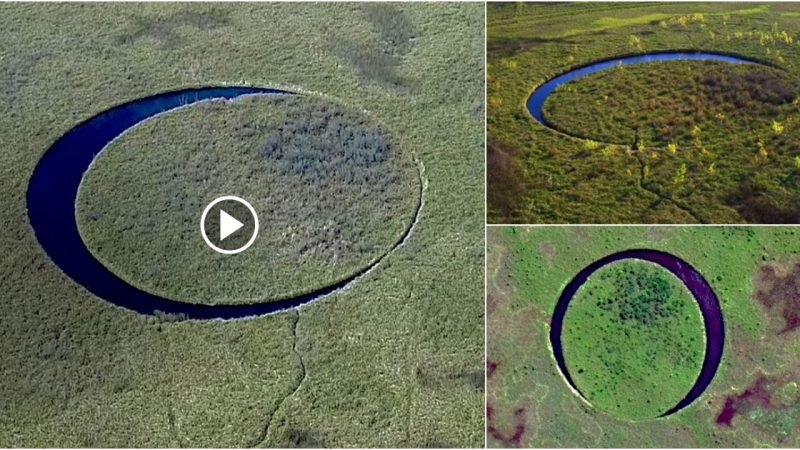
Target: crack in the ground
column 265, row 432
column 173, row 429
column 680, row 205
column 408, row 405
column 264, row 435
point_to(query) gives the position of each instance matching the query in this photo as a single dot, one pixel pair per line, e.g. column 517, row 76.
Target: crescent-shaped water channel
column 697, row 285
column 536, row 101
column 53, row 189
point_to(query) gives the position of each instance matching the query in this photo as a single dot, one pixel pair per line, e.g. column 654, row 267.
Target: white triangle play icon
column 227, row 225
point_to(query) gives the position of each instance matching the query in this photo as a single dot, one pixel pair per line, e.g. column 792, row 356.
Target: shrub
column 323, row 144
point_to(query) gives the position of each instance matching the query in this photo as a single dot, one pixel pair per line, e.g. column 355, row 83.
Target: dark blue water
column 53, row 189
column 539, row 96
column 697, row 285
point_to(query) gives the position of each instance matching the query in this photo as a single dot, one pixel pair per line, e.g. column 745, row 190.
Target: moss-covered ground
column 753, row 400
column 661, row 142
column 395, row 360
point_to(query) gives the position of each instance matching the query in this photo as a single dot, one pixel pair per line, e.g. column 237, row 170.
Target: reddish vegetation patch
column 509, row 439
column 779, row 292
column 758, row 395
column 491, row 366
column 547, row 251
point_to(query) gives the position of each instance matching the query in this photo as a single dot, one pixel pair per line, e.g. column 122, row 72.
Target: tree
column 635, row 42
column 518, row 7
column 680, row 174
column 762, row 149
column 672, row 147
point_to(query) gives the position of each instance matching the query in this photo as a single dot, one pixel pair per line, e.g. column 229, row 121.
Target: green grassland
column 395, row 360
column 662, row 142
column 334, row 195
column 616, row 330
column 528, row 267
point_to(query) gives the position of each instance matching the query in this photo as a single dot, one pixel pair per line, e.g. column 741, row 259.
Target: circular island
column 267, row 136
column 612, row 322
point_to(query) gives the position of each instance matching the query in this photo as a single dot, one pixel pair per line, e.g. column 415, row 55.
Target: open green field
column 395, row 360
column 659, row 142
column 753, row 400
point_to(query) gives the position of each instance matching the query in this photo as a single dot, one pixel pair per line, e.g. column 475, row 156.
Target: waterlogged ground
column 753, row 400
column 662, row 142
column 396, row 360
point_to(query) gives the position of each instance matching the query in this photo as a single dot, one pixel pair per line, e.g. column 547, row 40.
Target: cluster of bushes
column 648, row 104
column 757, row 88
column 722, row 96
column 643, row 294
column 323, row 144
column 343, row 181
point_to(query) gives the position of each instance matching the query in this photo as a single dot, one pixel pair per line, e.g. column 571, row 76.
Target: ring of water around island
column 629, row 331
column 536, row 100
column 54, row 186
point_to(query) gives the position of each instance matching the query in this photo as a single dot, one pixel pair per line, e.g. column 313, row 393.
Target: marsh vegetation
column 81, row 372
column 662, row 142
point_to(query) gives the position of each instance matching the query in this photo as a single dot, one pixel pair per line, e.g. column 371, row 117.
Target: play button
column 229, row 225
